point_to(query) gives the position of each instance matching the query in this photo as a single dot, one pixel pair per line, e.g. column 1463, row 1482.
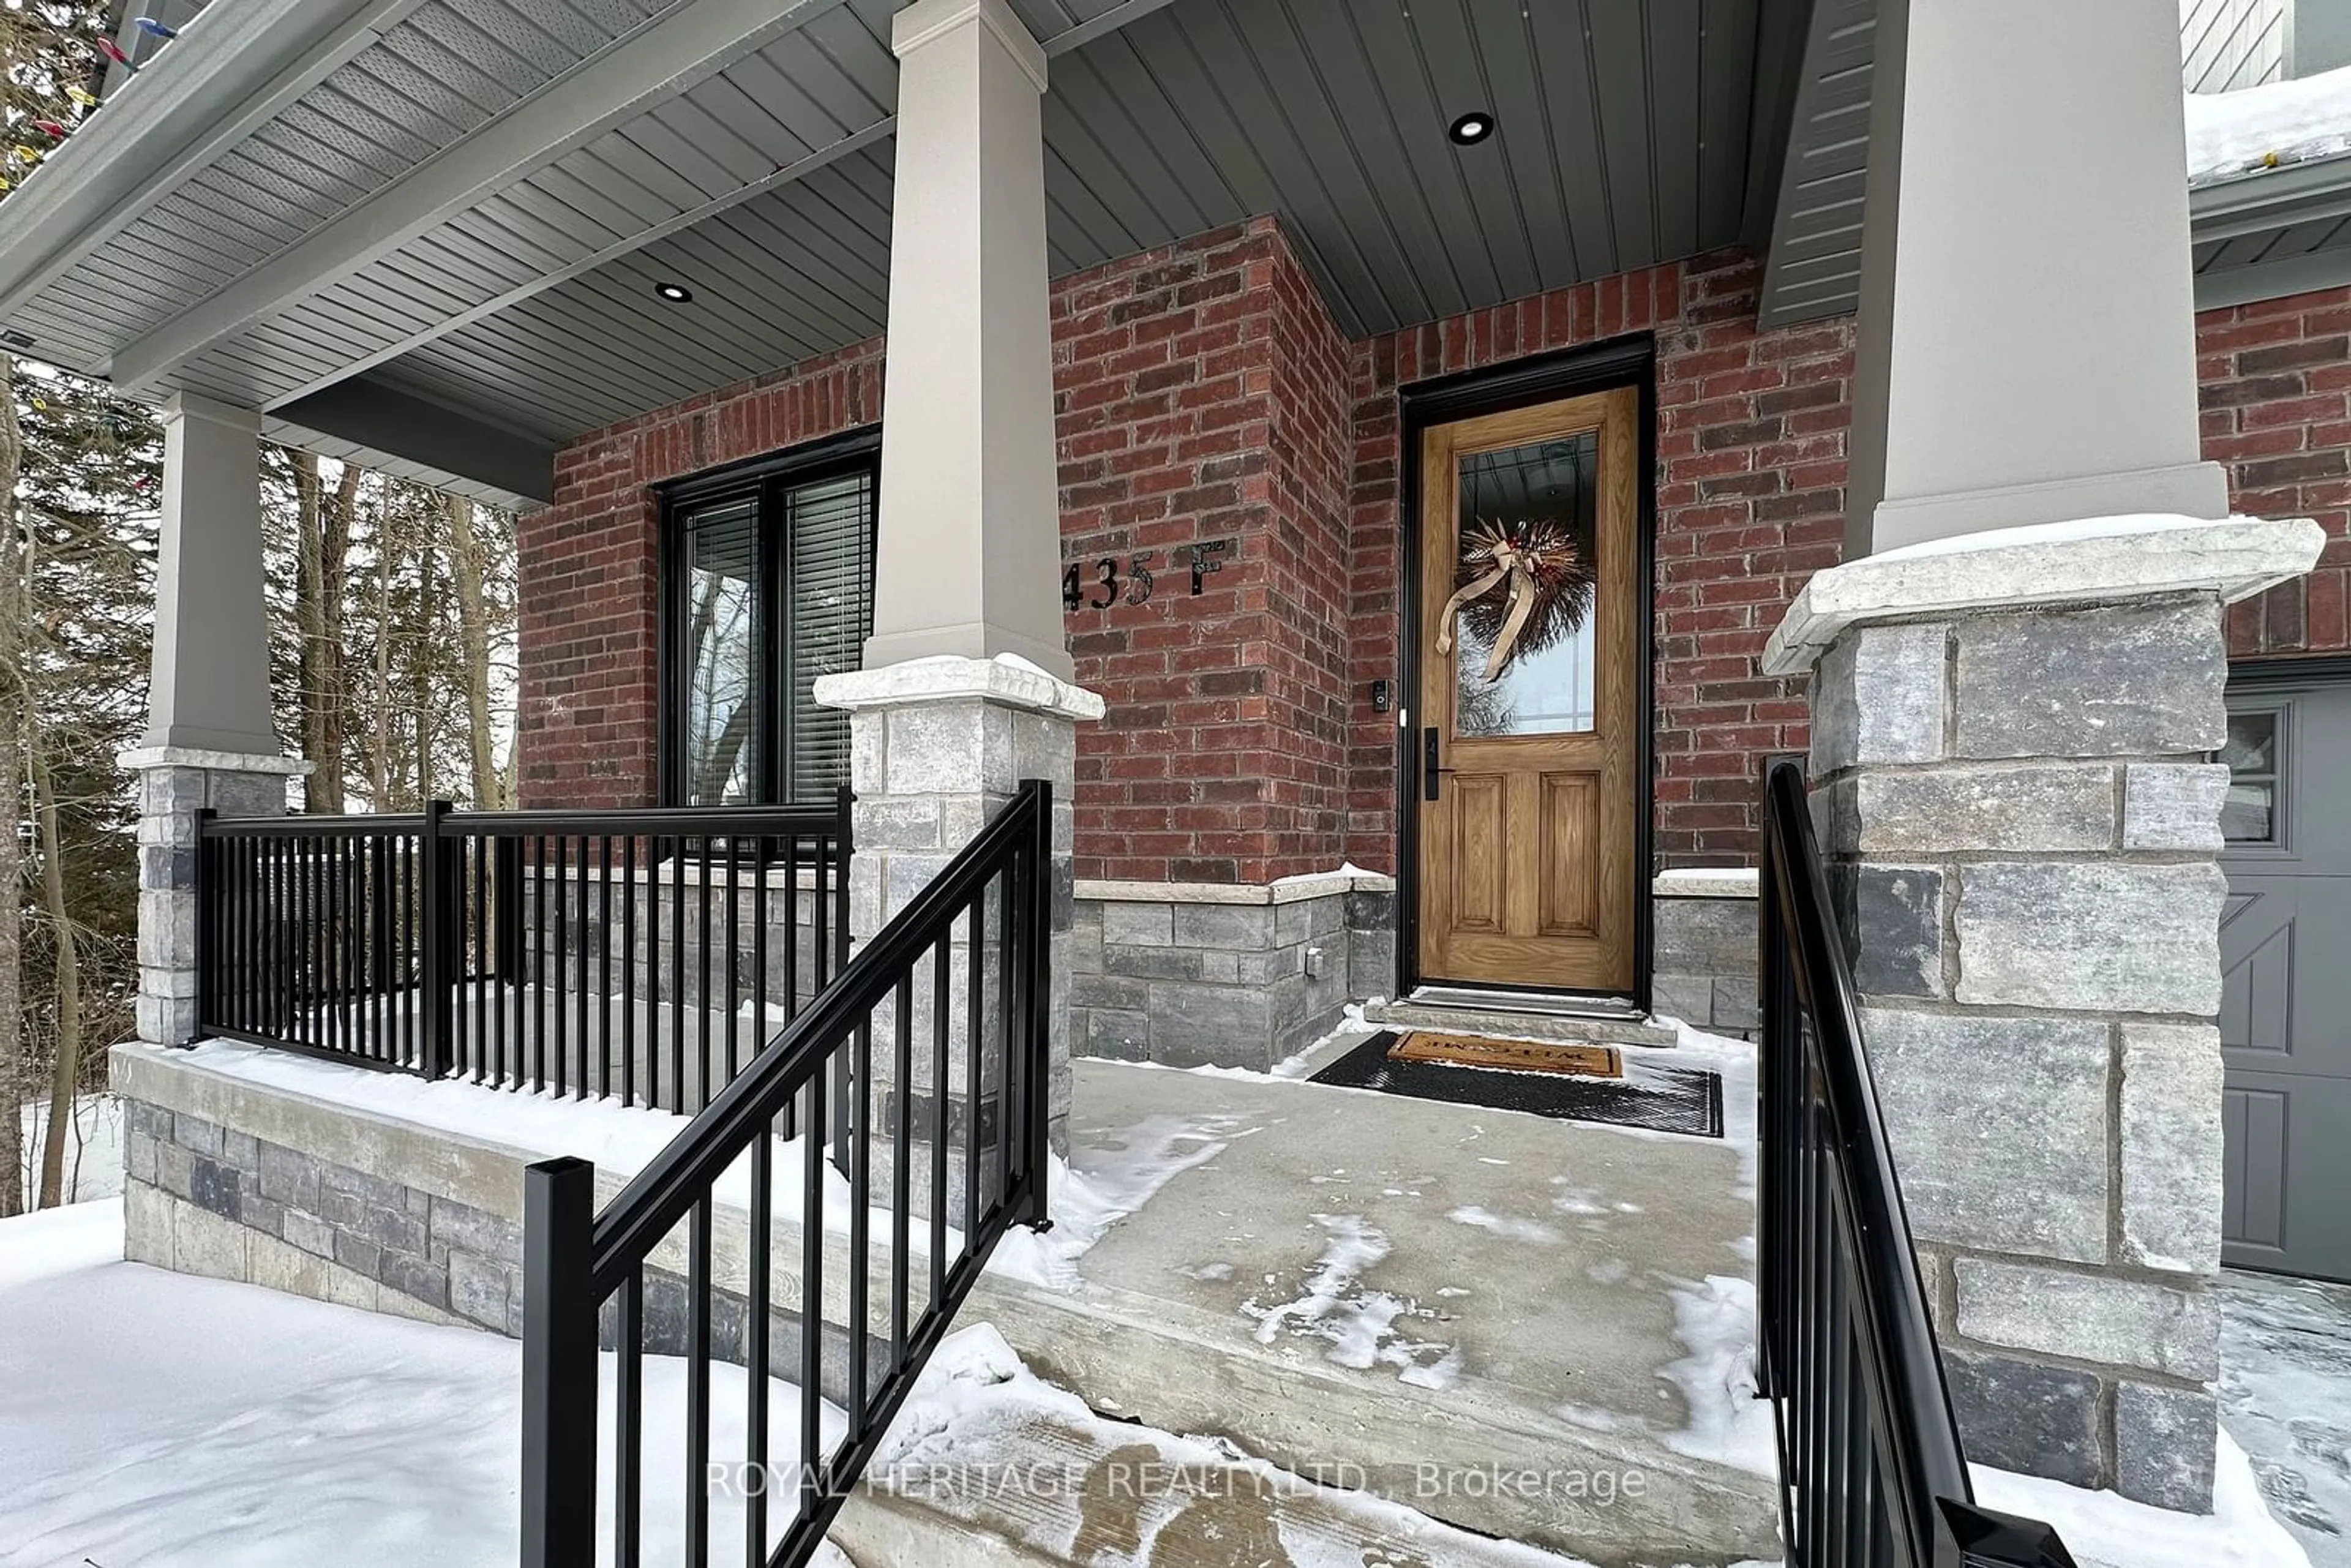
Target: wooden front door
column 1528, row 707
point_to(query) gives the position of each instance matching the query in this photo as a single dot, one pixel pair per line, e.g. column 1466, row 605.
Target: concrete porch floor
column 1500, row 1319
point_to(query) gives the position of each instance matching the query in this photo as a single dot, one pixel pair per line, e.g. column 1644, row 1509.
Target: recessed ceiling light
column 16, row 339
column 675, row 293
column 1471, row 129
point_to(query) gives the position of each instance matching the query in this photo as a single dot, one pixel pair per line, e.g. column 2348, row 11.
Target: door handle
column 1429, row 760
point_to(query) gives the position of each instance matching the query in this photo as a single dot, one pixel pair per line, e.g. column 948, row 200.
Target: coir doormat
column 1686, row 1100
column 1510, row 1055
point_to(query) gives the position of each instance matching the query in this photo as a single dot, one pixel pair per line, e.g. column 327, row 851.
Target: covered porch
column 1197, row 321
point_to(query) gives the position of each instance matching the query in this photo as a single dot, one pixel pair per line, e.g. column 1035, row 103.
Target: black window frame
column 762, row 480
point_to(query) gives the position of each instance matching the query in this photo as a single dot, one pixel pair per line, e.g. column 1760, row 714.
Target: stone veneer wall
column 1708, row 951
column 1205, row 975
column 239, row 1182
column 2020, row 826
column 235, row 1179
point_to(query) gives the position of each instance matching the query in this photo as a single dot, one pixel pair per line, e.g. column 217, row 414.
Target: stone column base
column 176, row 782
column 937, row 747
column 2012, row 783
column 1223, row 974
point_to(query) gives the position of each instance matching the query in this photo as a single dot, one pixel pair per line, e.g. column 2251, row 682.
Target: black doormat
column 1686, row 1100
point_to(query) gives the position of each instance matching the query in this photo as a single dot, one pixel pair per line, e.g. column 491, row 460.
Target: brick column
column 2011, row 778
column 937, row 747
column 176, row 782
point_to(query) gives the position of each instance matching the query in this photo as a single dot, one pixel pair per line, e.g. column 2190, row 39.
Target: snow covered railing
column 1872, row 1470
column 633, row 955
column 958, row 1127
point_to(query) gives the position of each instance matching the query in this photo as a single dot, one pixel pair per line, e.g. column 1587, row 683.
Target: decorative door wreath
column 1519, row 588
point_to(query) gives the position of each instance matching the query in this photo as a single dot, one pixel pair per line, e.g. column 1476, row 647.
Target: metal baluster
column 698, row 1382
column 812, row 1297
column 579, row 875
column 557, row 980
column 538, row 963
column 942, row 999
column 702, row 968
column 860, row 1200
column 974, row 983
column 1012, row 953
column 677, row 982
column 629, row 973
column 754, row 1360
column 485, row 976
column 902, row 1198
column 604, row 963
column 629, row 1423
column 734, row 957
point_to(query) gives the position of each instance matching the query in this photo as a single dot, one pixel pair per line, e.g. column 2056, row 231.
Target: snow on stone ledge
column 2089, row 560
column 2238, row 133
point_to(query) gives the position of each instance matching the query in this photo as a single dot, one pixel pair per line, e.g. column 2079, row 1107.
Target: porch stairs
column 1474, row 1317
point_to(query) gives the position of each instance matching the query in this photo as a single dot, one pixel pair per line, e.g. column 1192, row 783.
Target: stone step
column 1511, row 1022
column 1007, row 1470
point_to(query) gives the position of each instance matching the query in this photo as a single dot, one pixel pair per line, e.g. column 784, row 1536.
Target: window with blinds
column 769, row 585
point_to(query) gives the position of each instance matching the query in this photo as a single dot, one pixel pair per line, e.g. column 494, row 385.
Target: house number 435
column 1099, row 584
column 1106, row 587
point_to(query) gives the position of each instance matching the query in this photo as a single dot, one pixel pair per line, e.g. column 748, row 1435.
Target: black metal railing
column 1872, row 1470
column 638, row 954
column 958, row 1126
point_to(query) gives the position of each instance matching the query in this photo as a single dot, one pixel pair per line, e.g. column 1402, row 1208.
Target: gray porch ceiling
column 427, row 231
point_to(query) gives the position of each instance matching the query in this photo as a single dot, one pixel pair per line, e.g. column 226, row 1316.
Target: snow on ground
column 2293, row 121
column 155, row 1417
column 2104, row 1531
column 93, row 1166
column 2286, row 1394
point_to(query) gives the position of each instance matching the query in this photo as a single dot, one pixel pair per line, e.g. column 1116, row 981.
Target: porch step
column 1511, row 1015
column 1018, row 1473
column 1411, row 1294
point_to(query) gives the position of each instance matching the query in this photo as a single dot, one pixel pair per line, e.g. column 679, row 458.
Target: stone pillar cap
column 145, row 757
column 2089, row 560
column 1008, row 680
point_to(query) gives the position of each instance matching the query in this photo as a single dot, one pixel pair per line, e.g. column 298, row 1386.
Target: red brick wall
column 589, row 637
column 1205, row 393
column 1201, row 396
column 1749, row 504
column 2275, row 378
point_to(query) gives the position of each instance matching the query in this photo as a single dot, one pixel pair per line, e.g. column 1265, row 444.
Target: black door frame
column 1619, row 362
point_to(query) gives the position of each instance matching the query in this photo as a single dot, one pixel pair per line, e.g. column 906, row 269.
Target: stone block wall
column 270, row 1191
column 1707, row 950
column 1201, row 974
column 238, row 1180
column 2022, row 829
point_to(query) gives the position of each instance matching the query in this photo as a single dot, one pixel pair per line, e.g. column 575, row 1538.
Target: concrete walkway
column 2285, row 1397
column 1495, row 1317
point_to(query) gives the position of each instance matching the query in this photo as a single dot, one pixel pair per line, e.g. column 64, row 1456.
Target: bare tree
column 473, row 627
column 65, row 1064
column 323, row 566
column 14, row 1078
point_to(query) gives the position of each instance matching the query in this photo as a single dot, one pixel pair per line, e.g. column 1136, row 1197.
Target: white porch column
column 969, row 557
column 2016, row 683
column 2027, row 323
column 211, row 682
column 210, row 742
